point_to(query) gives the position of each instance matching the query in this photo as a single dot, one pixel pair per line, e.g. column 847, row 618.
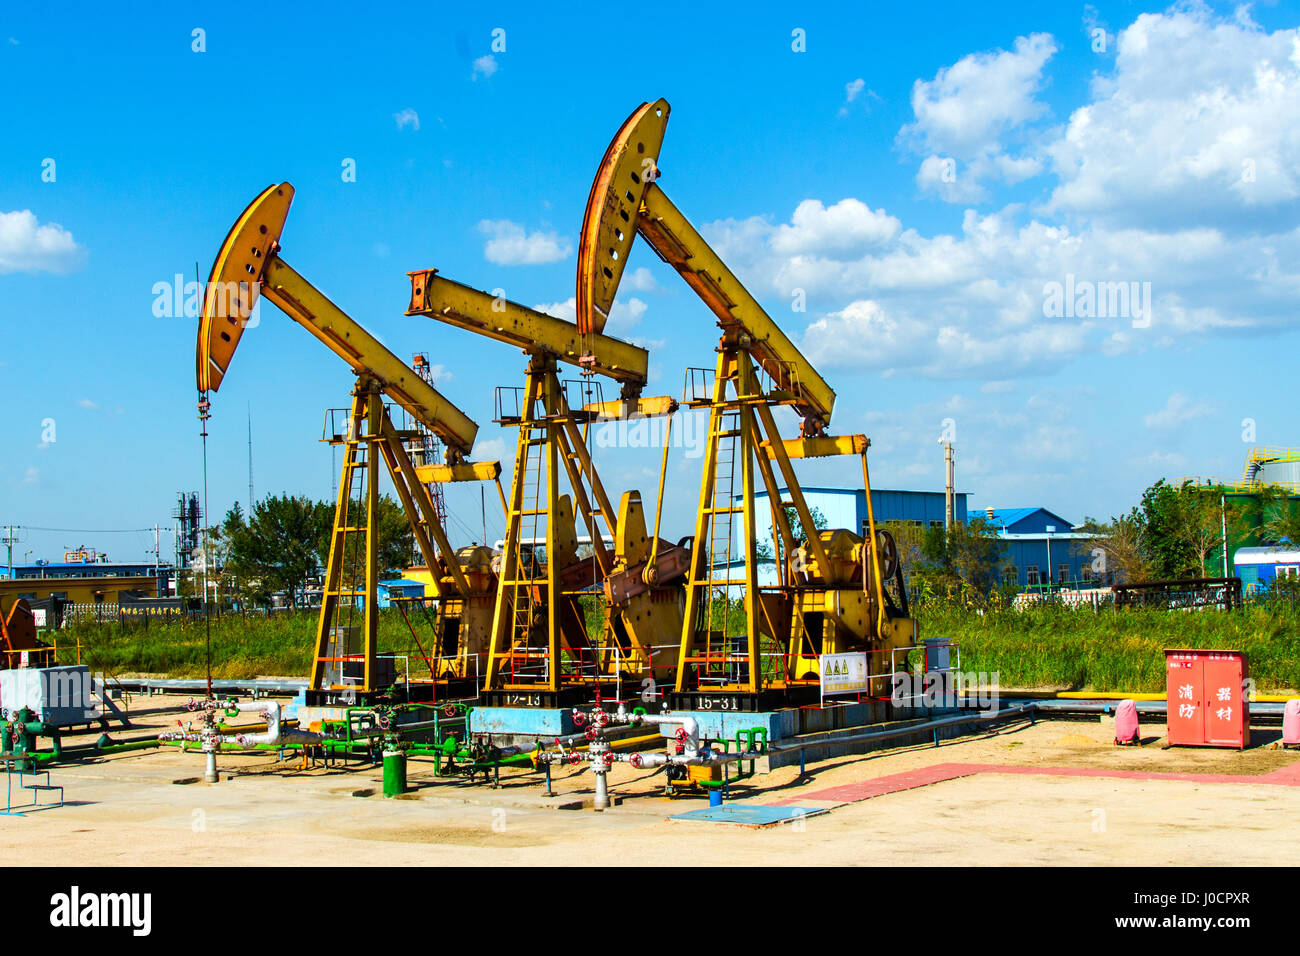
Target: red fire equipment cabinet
column 1206, row 698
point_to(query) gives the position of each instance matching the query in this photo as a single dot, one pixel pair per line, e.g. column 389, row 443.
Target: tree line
column 1172, row 534
column 1175, row 529
column 283, row 544
column 963, row 562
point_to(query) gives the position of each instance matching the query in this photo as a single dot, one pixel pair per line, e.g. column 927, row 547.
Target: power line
column 32, row 527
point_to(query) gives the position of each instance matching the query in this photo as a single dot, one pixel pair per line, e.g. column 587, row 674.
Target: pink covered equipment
column 1291, row 723
column 1126, row 723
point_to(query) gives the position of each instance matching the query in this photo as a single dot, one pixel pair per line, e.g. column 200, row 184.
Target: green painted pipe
column 128, row 746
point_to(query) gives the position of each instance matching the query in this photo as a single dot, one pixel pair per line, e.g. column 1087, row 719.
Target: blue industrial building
column 847, row 508
column 844, row 508
column 85, row 581
column 1259, row 567
column 1041, row 548
column 393, row 589
column 85, row 569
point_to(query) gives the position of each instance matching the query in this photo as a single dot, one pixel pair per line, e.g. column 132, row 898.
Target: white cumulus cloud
column 639, row 280
column 849, row 224
column 969, row 105
column 966, row 111
column 624, row 316
column 1178, row 410
column 27, row 245
column 510, row 244
column 1199, row 122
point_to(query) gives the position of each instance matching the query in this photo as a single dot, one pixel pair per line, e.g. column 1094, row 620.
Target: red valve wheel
column 681, row 733
column 579, row 718
column 635, row 761
column 449, row 710
column 590, row 733
column 575, row 758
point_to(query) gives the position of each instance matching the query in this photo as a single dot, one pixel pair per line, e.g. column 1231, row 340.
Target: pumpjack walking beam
column 539, row 614
column 758, row 367
column 249, row 265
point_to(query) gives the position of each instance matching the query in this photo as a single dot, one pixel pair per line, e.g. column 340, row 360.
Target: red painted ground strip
column 924, row 777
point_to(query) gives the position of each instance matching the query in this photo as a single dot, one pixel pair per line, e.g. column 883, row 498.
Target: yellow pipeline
column 1114, row 695
column 1121, row 695
column 631, row 743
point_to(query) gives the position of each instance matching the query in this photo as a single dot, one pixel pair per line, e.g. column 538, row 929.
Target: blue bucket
column 715, row 797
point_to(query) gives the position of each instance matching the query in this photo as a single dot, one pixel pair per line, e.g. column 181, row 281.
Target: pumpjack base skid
column 343, row 698
column 443, row 691
column 573, row 696
column 742, row 701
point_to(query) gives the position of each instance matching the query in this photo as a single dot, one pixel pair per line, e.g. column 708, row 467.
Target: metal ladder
column 530, row 525
column 340, row 589
column 719, row 587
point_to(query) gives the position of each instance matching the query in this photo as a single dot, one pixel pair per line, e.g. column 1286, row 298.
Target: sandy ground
column 131, row 809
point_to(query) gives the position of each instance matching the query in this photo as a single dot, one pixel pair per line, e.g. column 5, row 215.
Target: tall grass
column 1077, row 648
column 242, row 647
column 1040, row 646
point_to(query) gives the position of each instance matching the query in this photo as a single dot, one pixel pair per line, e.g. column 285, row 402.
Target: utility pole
column 949, row 495
column 1223, row 518
column 10, row 539
column 250, row 460
column 1050, row 529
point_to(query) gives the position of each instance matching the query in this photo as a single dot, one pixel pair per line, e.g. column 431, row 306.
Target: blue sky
column 921, row 172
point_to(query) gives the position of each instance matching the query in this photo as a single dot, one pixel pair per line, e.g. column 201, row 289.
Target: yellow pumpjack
column 542, row 652
column 346, row 667
column 838, row 590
